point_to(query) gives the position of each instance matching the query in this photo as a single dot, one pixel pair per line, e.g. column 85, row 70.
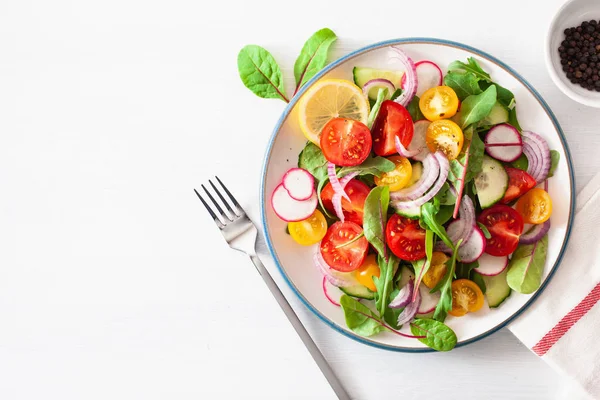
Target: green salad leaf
column 414, row 110
column 260, row 73
column 477, row 106
column 313, row 56
column 371, row 166
column 375, row 218
column 521, row 163
column 471, row 66
column 513, row 120
column 391, row 314
column 463, row 83
column 428, row 216
column 438, row 335
column 311, row 158
column 444, row 215
column 505, row 96
column 478, row 279
column 526, row 266
column 445, row 287
column 385, row 282
column 485, row 230
column 359, row 318
column 381, row 96
column 555, row 157
column 422, row 266
column 466, row 166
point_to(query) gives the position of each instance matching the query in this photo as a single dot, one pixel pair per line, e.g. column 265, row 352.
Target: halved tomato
column 438, row 103
column 366, row 272
column 466, row 297
column 405, row 237
column 445, row 136
column 519, row 182
column 393, row 120
column 353, row 209
column 341, row 249
column 505, row 226
column 535, row 206
column 346, row 142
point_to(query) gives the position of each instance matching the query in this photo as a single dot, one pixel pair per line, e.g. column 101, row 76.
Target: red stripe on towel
column 567, row 322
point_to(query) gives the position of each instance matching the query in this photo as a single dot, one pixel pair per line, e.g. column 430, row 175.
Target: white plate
column 295, row 261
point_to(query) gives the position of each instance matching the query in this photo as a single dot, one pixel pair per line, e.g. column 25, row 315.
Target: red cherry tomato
column 505, row 226
column 405, row 237
column 519, row 182
column 346, row 142
column 340, row 249
column 393, row 120
column 353, row 209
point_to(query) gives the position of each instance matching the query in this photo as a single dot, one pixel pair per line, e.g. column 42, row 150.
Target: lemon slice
column 327, row 99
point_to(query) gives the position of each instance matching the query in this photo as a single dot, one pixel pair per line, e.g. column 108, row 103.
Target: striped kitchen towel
column 563, row 325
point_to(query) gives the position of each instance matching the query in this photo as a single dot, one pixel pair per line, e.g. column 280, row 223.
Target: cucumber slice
column 498, row 115
column 412, row 213
column 491, row 182
column 359, row 291
column 497, row 289
column 363, row 75
column 417, row 171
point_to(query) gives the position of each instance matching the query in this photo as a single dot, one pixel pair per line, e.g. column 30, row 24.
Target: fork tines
column 221, row 218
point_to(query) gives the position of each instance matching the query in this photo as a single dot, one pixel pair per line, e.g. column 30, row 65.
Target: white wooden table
column 113, row 281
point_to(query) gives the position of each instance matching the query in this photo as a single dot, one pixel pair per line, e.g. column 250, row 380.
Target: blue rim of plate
column 375, row 46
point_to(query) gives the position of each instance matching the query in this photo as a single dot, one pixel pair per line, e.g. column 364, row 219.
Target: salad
column 421, row 194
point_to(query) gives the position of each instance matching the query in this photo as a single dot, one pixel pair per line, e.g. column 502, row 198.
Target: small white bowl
column 572, row 14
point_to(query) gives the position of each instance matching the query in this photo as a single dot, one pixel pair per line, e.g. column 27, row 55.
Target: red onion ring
column 379, row 83
column 431, row 170
column 404, row 296
column 336, row 199
column 409, row 87
column 537, row 152
column 535, row 234
column 444, row 169
column 409, row 312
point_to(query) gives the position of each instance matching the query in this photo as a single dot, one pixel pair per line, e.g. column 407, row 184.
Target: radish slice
column 428, row 75
column 410, row 81
column 299, row 183
column 289, row 209
column 431, row 170
column 537, row 152
column 491, row 265
column 503, row 142
column 376, row 84
column 535, row 234
column 326, row 292
column 429, row 301
column 473, row 248
column 404, row 296
column 418, row 140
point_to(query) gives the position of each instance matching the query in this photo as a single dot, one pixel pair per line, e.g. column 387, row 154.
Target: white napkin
column 563, row 325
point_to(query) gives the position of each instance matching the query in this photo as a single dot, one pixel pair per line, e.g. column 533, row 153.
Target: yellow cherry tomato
column 466, row 297
column 436, row 270
column 445, row 136
column 399, row 177
column 535, row 206
column 309, row 231
column 438, row 103
column 366, row 272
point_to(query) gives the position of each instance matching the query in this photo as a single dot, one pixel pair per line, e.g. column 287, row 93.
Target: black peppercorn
column 582, row 67
column 579, row 54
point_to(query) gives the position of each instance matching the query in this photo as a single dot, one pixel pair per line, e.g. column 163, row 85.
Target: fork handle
column 314, row 351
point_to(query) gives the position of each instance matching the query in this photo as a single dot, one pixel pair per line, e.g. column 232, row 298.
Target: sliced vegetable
column 429, row 75
column 505, row 226
column 438, row 103
column 419, row 142
column 362, row 75
column 519, row 183
column 428, row 300
column 334, row 277
column 324, row 285
column 404, row 296
column 344, row 246
column 431, row 170
column 291, row 210
column 466, row 297
column 535, row 206
column 392, row 121
column 497, row 289
column 403, row 151
column 397, row 178
column 491, row 182
column 345, row 142
column 410, row 311
column 503, row 142
column 410, row 81
column 445, row 136
column 473, row 247
column 537, row 151
column 366, row 272
column 352, row 210
column 299, row 183
column 536, row 233
column 372, row 87
column 491, row 265
column 498, row 115
column 405, row 237
column 436, row 271
column 310, row 230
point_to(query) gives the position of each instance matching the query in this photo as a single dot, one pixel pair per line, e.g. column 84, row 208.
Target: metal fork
column 240, row 233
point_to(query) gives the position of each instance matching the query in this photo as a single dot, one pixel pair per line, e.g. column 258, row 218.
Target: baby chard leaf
column 260, row 73
column 313, row 56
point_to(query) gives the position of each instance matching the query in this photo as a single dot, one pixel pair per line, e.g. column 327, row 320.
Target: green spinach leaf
column 260, row 73
column 476, row 107
column 375, row 218
column 359, row 318
column 445, row 196
column 513, row 120
column 414, row 110
column 505, row 96
column 463, row 83
column 521, row 163
column 526, row 266
column 396, row 94
column 472, row 66
column 555, row 156
column 313, row 56
column 371, row 166
column 385, row 282
column 463, row 270
column 444, row 215
column 478, row 279
column 438, row 336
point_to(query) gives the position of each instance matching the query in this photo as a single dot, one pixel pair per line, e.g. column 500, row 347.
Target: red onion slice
column 409, row 86
column 431, row 170
column 537, row 152
column 336, row 199
column 403, row 151
column 409, row 312
column 379, row 83
column 335, row 182
column 404, row 296
column 326, row 271
column 467, row 221
column 535, row 234
column 444, row 169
